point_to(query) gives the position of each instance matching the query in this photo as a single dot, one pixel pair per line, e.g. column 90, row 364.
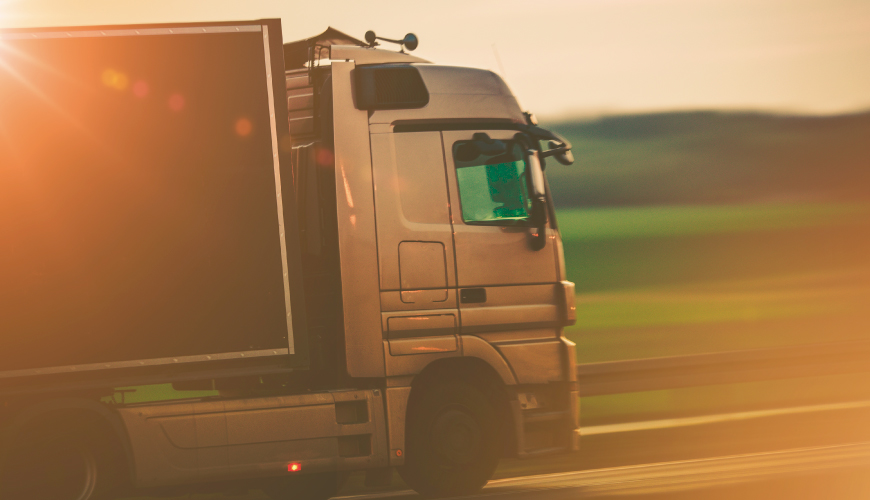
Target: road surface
column 817, row 472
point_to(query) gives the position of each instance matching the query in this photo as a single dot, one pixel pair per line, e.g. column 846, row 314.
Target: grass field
column 673, row 280
column 703, row 266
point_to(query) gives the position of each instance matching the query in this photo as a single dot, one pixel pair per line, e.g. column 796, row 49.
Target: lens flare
column 115, row 79
column 11, row 56
column 176, row 102
column 324, row 157
column 244, row 127
column 141, row 89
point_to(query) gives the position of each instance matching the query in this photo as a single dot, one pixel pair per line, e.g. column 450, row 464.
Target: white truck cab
column 450, row 256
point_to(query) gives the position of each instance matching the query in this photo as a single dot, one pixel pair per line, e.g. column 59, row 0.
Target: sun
column 7, row 16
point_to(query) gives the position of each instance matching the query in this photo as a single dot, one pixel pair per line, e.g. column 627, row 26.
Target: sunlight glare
column 9, row 55
column 115, row 79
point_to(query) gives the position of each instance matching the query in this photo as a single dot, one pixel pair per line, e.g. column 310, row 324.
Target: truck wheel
column 60, row 467
column 452, row 441
column 306, row 487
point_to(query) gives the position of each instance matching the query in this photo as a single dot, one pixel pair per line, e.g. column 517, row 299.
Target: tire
column 452, row 440
column 306, row 487
column 60, row 466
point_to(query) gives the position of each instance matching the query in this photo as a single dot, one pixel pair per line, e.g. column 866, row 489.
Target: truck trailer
column 230, row 263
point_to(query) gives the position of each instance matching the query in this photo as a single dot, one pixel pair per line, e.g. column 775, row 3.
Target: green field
column 673, row 280
column 725, row 255
column 679, row 266
column 632, row 222
column 703, row 231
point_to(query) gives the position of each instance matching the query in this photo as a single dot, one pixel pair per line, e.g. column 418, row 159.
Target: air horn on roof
column 410, row 41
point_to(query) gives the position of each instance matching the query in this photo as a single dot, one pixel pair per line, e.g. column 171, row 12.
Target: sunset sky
column 577, row 57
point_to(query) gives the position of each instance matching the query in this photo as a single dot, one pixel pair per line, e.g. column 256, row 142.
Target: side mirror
column 562, row 154
column 539, row 199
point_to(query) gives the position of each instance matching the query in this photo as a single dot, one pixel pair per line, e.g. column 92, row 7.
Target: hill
column 713, row 158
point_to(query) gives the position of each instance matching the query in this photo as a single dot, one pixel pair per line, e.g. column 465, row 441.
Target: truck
column 230, row 263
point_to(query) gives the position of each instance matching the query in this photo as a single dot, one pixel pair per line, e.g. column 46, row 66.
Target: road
column 817, row 451
column 839, row 471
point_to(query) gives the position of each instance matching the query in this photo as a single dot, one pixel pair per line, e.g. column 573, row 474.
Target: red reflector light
column 294, row 467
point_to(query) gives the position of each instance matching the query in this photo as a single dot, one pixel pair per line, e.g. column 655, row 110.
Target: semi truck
column 230, row 263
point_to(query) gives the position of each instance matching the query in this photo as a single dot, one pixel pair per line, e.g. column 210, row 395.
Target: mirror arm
column 544, row 134
column 556, row 151
column 560, row 147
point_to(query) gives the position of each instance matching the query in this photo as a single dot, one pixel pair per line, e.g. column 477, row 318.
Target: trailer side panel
column 140, row 207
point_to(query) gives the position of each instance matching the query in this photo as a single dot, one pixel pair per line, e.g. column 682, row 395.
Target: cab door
column 508, row 286
column 415, row 250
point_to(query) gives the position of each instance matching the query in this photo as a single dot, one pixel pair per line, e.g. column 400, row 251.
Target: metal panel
column 141, row 363
column 478, row 348
column 276, row 164
column 156, row 438
column 535, row 362
column 123, row 118
column 401, row 365
column 397, row 408
column 424, row 345
column 531, row 334
column 366, row 55
column 210, row 421
column 423, row 266
column 394, row 301
column 518, row 307
column 420, row 326
column 459, row 94
column 235, row 439
column 110, row 32
column 356, row 231
column 501, row 318
column 412, row 205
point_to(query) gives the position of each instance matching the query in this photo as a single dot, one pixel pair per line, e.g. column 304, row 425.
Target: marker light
column 294, row 467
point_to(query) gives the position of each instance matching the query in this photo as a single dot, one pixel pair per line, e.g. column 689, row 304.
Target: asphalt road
column 817, row 451
column 839, row 471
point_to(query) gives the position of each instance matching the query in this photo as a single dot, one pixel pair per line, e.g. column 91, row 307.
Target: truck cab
column 450, row 259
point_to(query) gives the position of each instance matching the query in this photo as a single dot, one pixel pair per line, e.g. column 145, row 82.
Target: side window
column 492, row 182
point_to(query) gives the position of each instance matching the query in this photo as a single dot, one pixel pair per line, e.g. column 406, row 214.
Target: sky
column 566, row 58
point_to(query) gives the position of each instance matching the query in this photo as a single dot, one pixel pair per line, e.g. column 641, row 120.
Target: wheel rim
column 89, row 474
column 456, row 436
